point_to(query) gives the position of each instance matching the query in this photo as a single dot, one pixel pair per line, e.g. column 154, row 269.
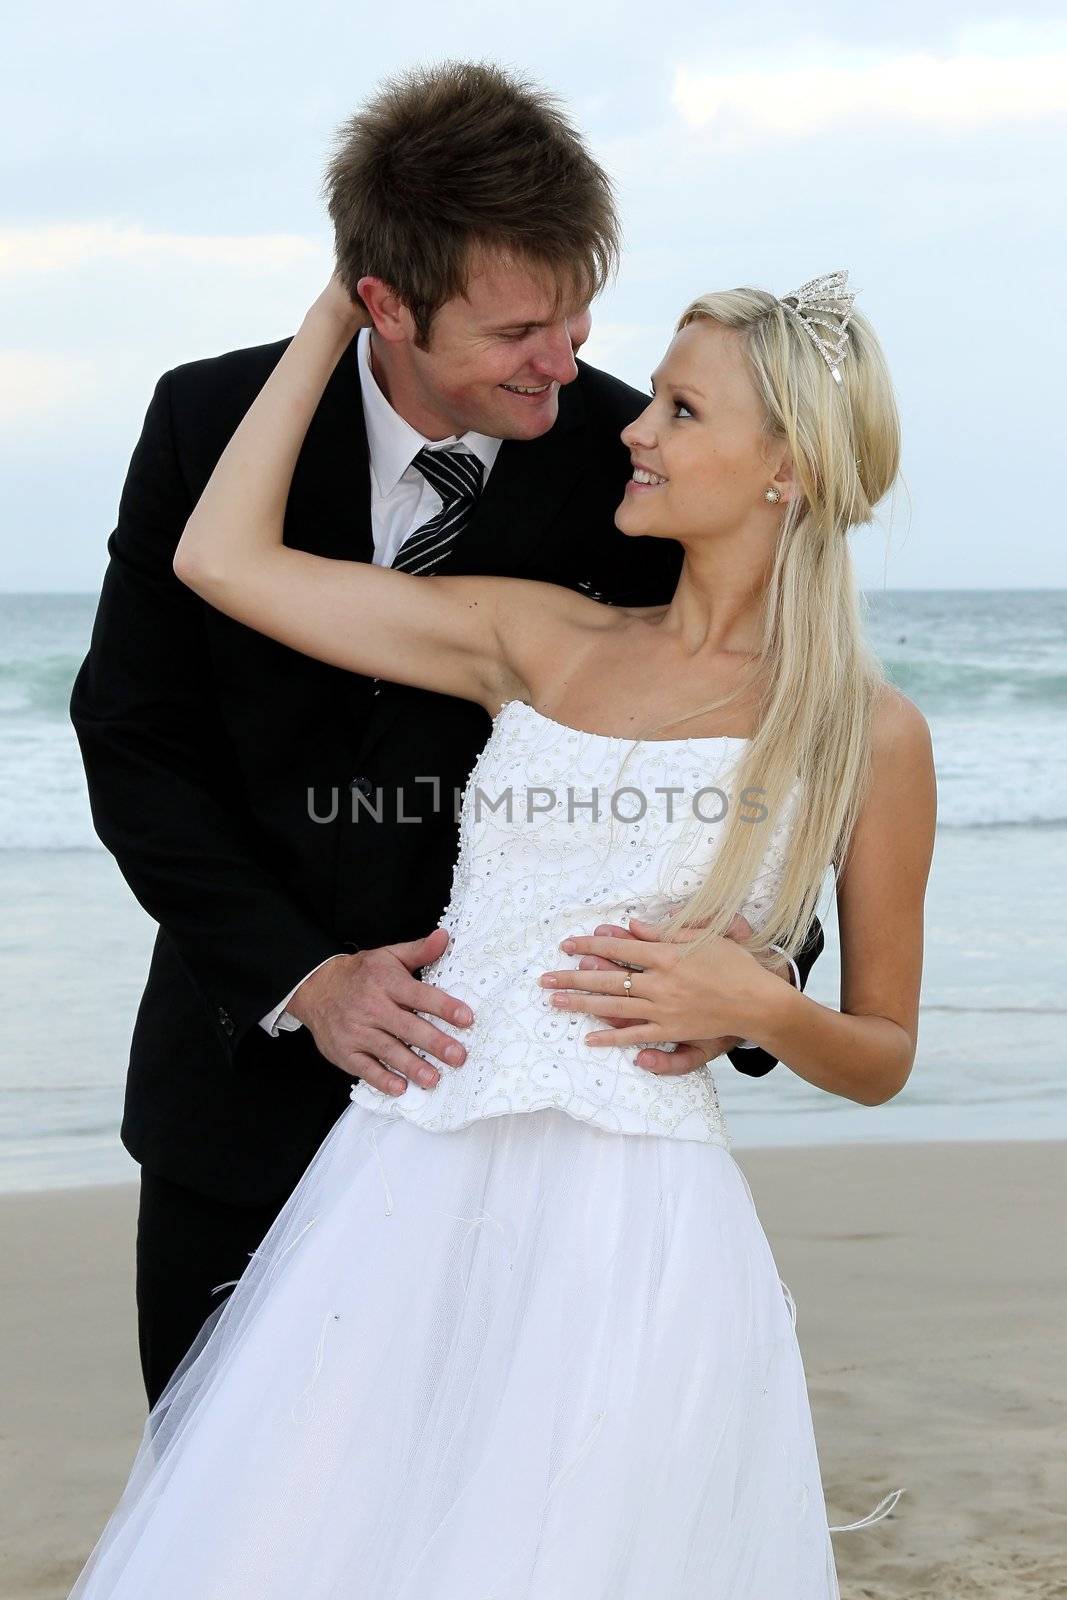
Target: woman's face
column 703, row 436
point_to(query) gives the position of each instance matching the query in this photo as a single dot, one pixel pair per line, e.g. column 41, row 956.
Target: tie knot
column 455, row 477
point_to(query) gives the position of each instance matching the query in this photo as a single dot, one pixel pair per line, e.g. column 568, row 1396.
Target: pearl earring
column 772, row 494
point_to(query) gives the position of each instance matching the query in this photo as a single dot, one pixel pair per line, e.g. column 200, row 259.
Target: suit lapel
column 329, row 514
column 329, row 508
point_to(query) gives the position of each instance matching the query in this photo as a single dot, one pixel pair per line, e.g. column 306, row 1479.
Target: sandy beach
column 931, row 1288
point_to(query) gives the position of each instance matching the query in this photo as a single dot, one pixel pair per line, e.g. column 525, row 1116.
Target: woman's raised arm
column 441, row 633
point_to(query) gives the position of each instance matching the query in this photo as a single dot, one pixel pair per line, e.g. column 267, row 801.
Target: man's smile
column 526, row 391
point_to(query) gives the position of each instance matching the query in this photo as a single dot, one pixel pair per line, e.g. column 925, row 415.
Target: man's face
column 497, row 356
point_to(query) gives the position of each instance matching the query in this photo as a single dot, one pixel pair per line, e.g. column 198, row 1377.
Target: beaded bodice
column 560, row 830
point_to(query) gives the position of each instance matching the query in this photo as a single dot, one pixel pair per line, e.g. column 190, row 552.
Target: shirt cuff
column 279, row 1020
column 750, row 1044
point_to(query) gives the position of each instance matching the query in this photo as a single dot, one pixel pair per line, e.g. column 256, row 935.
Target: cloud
column 62, row 247
column 986, row 80
column 35, row 384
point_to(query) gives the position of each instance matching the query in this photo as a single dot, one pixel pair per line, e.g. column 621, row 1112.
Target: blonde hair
column 820, row 681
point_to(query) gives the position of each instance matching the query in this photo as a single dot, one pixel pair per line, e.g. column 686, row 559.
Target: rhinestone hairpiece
column 813, row 304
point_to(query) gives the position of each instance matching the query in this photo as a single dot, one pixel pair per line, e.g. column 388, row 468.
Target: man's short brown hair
column 460, row 155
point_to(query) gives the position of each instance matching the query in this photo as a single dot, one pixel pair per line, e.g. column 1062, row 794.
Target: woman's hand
column 337, row 304
column 721, row 991
column 683, row 1058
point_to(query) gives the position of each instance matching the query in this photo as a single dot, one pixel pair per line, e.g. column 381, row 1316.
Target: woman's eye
column 680, row 405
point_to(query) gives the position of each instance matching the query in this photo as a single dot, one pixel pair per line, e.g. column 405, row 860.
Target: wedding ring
column 627, row 983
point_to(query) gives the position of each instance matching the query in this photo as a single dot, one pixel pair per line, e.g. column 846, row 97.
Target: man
column 291, row 926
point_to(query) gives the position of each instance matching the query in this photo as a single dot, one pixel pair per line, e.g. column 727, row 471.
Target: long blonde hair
column 820, row 680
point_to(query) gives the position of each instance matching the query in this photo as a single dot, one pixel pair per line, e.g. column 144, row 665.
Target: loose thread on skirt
column 289, row 1246
column 333, row 1316
column 566, row 1471
column 320, row 1355
column 252, row 1254
column 576, row 1460
column 374, row 1136
column 884, row 1506
column 881, row 1510
column 487, row 1216
column 232, row 1283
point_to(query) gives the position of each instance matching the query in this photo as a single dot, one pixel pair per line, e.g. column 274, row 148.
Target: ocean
column 987, row 668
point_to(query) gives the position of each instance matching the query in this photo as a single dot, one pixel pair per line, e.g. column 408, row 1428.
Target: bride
column 521, row 1334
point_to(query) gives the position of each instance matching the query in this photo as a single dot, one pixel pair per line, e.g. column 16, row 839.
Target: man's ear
column 389, row 315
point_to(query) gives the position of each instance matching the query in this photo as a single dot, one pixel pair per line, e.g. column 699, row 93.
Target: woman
column 547, row 1354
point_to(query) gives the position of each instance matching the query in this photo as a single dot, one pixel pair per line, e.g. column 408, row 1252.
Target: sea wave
column 989, row 671
column 989, row 776
column 39, row 688
column 954, row 686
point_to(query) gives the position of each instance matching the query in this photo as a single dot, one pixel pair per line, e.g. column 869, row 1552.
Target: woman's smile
column 644, row 479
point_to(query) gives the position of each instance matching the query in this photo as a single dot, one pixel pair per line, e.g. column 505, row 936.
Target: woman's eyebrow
column 691, row 387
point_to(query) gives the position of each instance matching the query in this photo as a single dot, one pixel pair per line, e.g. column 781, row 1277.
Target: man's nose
column 580, row 328
column 555, row 355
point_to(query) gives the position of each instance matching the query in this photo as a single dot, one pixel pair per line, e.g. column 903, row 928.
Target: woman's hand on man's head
column 336, row 303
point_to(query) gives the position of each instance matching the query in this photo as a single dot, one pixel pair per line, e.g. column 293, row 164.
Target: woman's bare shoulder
column 898, row 728
column 538, row 628
column 549, row 632
column 902, row 776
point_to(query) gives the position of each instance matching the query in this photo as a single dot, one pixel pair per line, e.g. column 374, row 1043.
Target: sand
column 931, row 1287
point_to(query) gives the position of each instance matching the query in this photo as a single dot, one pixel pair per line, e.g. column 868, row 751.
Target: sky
column 161, row 202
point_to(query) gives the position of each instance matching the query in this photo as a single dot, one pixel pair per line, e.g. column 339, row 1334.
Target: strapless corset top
column 561, row 830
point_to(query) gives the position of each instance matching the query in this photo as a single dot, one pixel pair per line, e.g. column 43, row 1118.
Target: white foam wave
column 991, row 773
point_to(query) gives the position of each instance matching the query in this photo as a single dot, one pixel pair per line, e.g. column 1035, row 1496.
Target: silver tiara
column 813, row 304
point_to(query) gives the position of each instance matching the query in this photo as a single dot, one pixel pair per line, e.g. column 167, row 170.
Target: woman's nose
column 640, row 432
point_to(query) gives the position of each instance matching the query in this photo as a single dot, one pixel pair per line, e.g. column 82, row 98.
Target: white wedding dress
column 521, row 1336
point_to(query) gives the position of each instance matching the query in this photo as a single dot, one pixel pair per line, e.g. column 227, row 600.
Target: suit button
column 364, row 786
column 225, row 1020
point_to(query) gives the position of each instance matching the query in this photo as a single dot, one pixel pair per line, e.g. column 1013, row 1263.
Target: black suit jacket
column 210, row 750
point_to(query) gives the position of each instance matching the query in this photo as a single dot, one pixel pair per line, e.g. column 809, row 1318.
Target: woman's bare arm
column 451, row 634
column 865, row 1051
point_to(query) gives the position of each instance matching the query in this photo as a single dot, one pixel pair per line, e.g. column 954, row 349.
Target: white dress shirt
column 401, row 501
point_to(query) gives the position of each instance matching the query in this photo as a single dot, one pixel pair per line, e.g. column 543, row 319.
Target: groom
column 230, row 776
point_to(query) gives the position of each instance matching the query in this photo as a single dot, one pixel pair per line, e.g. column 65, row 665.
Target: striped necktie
column 458, row 480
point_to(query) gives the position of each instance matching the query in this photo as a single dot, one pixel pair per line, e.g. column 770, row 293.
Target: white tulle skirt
column 524, row 1360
